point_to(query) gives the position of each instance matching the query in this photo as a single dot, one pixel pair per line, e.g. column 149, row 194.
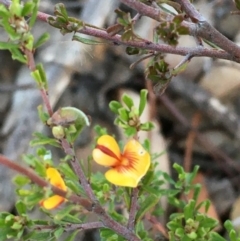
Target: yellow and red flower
column 56, row 180
column 127, row 168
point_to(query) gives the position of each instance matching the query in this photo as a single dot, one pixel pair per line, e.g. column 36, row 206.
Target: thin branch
column 78, row 169
column 143, row 9
column 163, row 48
column 84, row 226
column 133, row 209
column 191, row 11
column 207, row 31
column 186, row 58
column 43, row 91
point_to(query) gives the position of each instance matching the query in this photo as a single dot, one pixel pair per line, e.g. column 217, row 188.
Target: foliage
column 79, row 191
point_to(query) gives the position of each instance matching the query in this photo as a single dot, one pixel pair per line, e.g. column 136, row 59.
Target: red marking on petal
column 124, row 166
column 107, row 151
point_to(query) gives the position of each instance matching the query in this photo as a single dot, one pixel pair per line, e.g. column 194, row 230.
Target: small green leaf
column 58, row 232
column 16, row 226
column 75, row 187
column 41, row 40
column 123, row 114
column 109, row 235
column 143, row 101
column 147, row 204
column 180, row 69
column 72, row 236
column 216, row 237
column 189, row 210
column 115, row 106
column 15, row 8
column 213, row 45
column 127, row 101
column 228, row 225
column 40, row 139
column 21, row 207
column 21, row 180
column 4, row 13
column 34, row 13
column 62, row 213
column 44, row 82
column 8, row 45
column 37, row 77
column 147, row 126
column 43, row 116
column 130, row 131
column 127, row 35
column 71, row 219
column 40, row 236
column 86, row 40
column 32, row 199
column 61, row 10
column 17, row 55
column 197, row 190
column 4, row 233
column 27, row 8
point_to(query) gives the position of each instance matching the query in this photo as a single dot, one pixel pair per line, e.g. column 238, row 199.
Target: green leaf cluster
column 14, row 22
column 190, row 225
column 129, row 115
column 169, row 31
column 62, row 21
column 125, row 23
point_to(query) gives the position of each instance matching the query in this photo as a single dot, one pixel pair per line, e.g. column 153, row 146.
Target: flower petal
column 137, row 158
column 125, row 179
column 135, row 162
column 52, row 202
column 107, row 151
column 55, row 178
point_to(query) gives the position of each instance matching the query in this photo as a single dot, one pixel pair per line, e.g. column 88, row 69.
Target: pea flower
column 127, row 168
column 56, row 180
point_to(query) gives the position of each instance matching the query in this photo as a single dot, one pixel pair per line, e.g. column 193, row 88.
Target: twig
column 207, row 31
column 136, row 18
column 46, row 101
column 43, row 91
column 68, row 149
column 186, row 58
column 83, row 226
column 143, row 9
column 133, row 209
